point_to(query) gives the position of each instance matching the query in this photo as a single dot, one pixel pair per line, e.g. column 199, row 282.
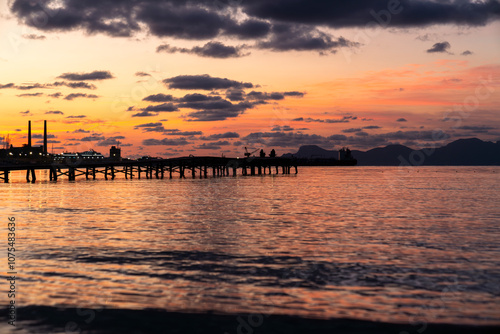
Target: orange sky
column 361, row 95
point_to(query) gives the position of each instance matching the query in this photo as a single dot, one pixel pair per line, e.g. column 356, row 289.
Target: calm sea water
column 374, row 243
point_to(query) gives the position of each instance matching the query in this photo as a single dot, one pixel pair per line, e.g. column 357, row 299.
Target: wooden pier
column 184, row 167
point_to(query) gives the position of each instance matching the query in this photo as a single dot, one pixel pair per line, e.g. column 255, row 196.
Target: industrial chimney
column 29, row 133
column 45, row 137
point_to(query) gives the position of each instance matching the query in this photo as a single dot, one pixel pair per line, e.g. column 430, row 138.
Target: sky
column 210, row 77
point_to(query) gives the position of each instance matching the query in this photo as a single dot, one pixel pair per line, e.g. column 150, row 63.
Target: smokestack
column 29, row 133
column 45, row 137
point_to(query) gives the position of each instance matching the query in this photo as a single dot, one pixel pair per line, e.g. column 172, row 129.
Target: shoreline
column 32, row 319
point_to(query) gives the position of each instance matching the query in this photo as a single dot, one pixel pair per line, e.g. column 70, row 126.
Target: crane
column 248, row 154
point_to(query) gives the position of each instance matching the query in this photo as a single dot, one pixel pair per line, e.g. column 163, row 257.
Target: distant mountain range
column 462, row 152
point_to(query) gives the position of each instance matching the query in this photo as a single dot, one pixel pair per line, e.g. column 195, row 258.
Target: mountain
column 462, row 152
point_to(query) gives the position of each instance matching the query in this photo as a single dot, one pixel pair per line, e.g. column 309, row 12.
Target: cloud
column 372, row 127
column 55, row 95
column 401, row 120
column 165, row 107
column 93, row 138
column 204, row 82
column 142, row 74
column 31, row 95
column 96, row 75
column 351, row 130
column 74, row 85
column 216, row 110
column 213, row 146
column 40, row 136
column 77, row 116
column 34, row 37
column 145, row 114
column 9, row 85
column 467, row 53
column 209, row 50
column 81, row 131
column 150, row 127
column 226, row 135
column 165, row 142
column 475, row 129
column 176, row 132
column 440, row 47
column 73, row 96
column 345, row 119
column 111, row 141
column 201, row 19
column 159, row 98
column 54, row 112
column 303, row 38
column 25, row 113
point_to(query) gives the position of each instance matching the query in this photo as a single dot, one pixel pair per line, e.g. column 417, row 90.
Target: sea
column 412, row 246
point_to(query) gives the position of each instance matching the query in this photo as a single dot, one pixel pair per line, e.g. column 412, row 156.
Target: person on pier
column 262, row 154
column 273, row 153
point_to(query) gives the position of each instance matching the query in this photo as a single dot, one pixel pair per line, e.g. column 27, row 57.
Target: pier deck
column 153, row 168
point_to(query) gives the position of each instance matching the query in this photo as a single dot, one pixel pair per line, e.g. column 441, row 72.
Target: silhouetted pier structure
column 184, row 167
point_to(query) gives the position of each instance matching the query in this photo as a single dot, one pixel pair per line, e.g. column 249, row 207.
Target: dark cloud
column 401, row 120
column 216, row 110
column 209, row 50
column 235, row 94
column 165, row 142
column 159, row 98
column 96, row 75
column 55, row 95
column 196, row 97
column 303, row 38
column 81, row 131
column 25, row 113
column 294, row 94
column 34, row 37
column 440, row 47
column 54, row 112
column 372, row 127
column 73, row 96
column 77, row 116
column 204, row 82
column 30, row 95
column 227, row 135
column 74, row 85
column 40, row 136
column 345, row 119
column 282, row 128
column 213, row 146
column 93, row 138
column 253, row 95
column 202, row 19
column 111, row 141
column 352, row 130
column 9, row 85
column 467, row 53
column 148, row 125
column 475, row 129
column 142, row 74
column 165, row 107
column 145, row 114
column 176, row 132
column 403, row 13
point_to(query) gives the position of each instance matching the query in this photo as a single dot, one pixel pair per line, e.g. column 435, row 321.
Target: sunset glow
column 334, row 84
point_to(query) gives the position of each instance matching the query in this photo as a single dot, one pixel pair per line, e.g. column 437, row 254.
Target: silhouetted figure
column 262, row 154
column 273, row 153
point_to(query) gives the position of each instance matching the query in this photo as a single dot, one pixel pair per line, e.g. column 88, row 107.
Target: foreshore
column 36, row 319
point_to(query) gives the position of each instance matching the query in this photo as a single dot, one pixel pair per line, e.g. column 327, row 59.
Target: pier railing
column 193, row 167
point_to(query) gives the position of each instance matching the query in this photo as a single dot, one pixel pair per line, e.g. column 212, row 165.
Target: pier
column 184, row 167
